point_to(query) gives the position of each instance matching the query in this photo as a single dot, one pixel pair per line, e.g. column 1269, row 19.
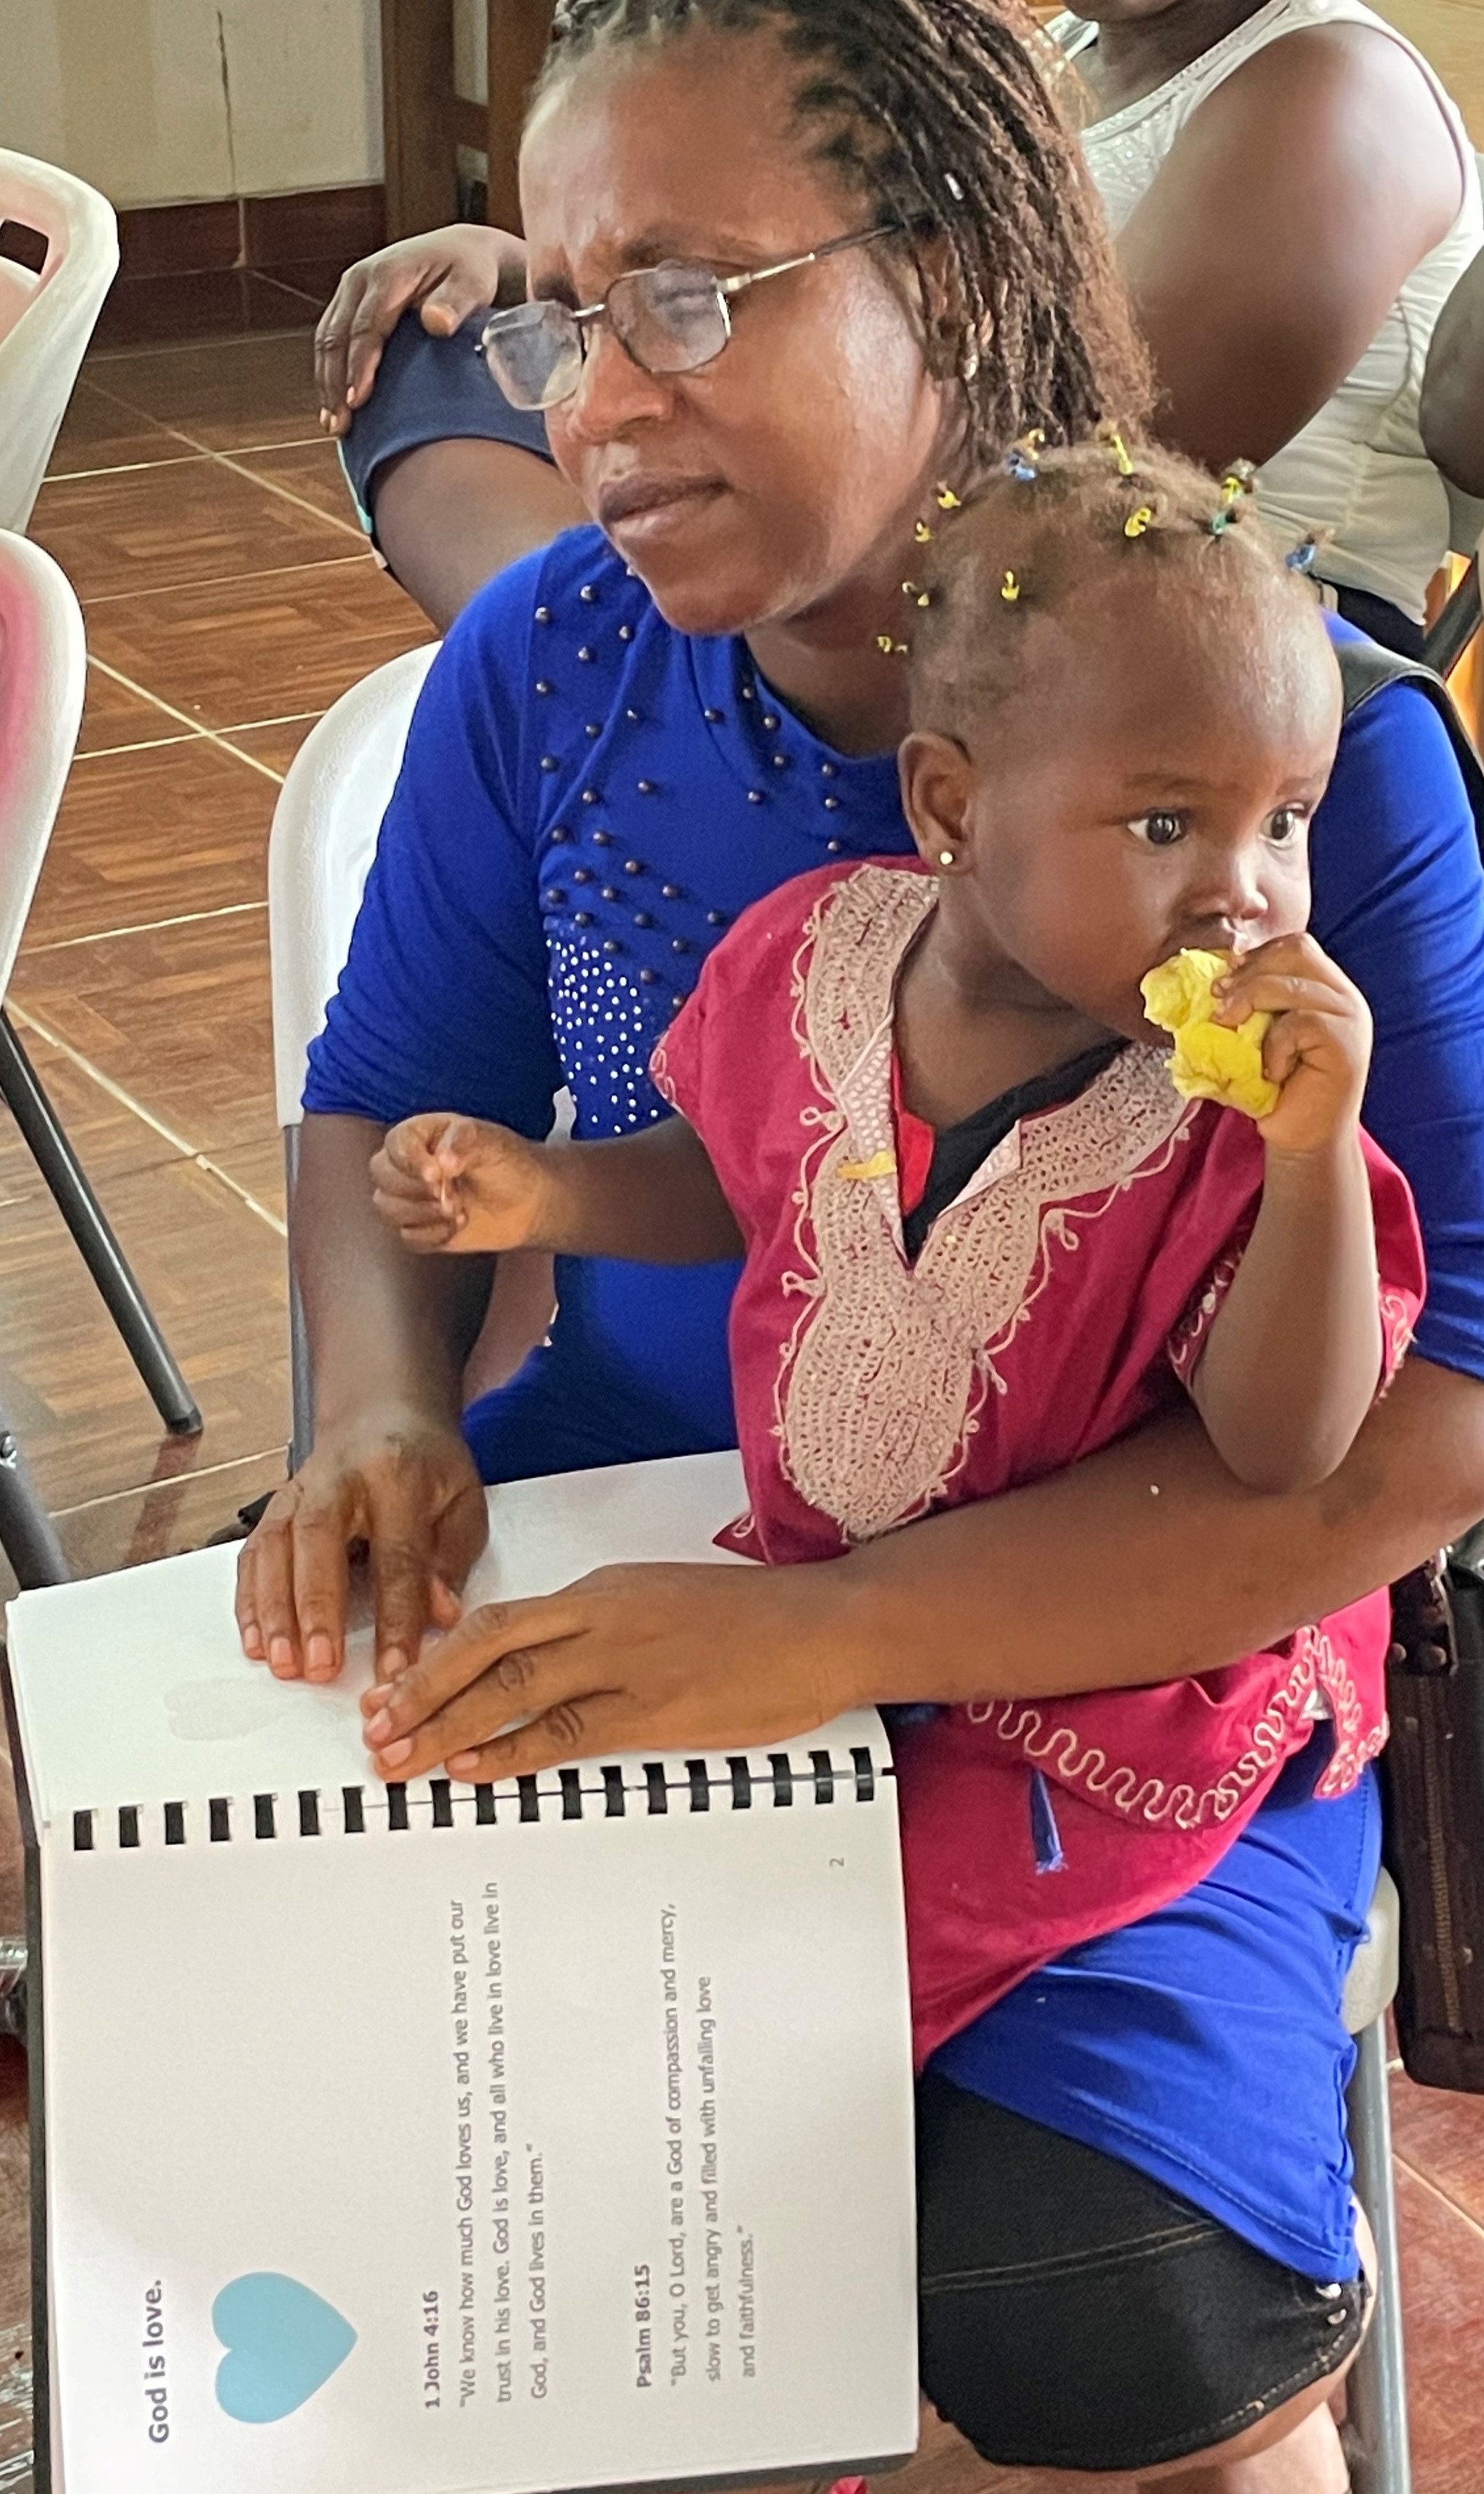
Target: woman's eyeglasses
column 673, row 318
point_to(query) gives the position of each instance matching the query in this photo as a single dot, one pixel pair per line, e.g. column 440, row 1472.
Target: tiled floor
column 229, row 597
column 229, row 600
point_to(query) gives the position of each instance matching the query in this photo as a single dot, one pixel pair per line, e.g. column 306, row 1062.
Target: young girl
column 984, row 1234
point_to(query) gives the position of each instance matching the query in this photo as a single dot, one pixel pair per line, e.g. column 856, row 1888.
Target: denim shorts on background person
column 431, row 389
column 1074, row 2313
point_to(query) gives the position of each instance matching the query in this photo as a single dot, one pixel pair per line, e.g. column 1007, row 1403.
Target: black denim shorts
column 1074, row 2313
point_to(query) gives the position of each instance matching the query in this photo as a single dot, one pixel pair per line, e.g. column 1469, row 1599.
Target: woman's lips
column 647, row 508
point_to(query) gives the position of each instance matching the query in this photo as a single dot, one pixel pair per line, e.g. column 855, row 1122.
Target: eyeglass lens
column 669, row 319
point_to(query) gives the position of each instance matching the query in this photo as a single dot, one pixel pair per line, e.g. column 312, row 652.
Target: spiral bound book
column 435, row 2140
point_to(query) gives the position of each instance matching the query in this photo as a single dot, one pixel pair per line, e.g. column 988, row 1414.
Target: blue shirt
column 586, row 801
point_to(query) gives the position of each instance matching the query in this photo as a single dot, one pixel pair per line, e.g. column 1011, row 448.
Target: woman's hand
column 653, row 1659
column 441, row 1181
column 1317, row 1048
column 449, row 273
column 400, row 1483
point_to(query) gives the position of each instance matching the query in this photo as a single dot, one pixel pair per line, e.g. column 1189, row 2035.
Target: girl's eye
column 1288, row 825
column 1161, row 828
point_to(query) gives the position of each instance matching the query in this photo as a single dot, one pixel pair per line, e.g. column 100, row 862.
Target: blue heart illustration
column 283, row 2343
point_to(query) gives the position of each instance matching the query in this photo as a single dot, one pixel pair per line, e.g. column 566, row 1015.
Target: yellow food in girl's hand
column 1209, row 1063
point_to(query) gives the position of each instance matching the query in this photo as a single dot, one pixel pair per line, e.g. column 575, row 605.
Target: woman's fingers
column 586, row 1728
column 296, row 1554
column 320, row 1547
column 479, row 1715
column 509, row 1644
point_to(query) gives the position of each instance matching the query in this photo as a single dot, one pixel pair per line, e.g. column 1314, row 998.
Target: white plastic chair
column 1376, row 2391
column 46, row 318
column 320, row 851
column 43, row 657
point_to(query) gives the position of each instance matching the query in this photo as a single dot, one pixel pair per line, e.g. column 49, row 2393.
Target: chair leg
column 27, row 1534
column 300, row 1371
column 1375, row 2390
column 1457, row 624
column 101, row 1252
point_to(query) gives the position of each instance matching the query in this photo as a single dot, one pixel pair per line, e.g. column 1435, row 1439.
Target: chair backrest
column 42, row 671
column 45, row 319
column 323, row 839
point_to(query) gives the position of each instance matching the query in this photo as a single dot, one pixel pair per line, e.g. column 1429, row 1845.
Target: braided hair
column 938, row 113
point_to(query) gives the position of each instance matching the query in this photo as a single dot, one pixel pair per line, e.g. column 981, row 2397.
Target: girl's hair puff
column 1038, row 531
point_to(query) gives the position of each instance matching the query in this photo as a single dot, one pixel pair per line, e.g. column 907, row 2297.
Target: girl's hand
column 446, row 1182
column 654, row 1658
column 1317, row 1048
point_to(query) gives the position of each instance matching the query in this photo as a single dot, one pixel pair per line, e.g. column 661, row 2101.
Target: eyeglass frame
column 725, row 289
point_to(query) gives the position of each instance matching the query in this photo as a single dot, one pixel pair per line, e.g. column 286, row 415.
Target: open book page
column 134, row 1687
column 566, row 2145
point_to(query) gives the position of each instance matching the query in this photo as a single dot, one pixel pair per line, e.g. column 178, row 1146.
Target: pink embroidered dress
column 1055, row 1304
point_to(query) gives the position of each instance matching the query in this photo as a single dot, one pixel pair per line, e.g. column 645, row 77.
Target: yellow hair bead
column 1138, row 523
column 923, row 532
column 946, row 499
column 889, row 648
column 1010, row 588
column 1118, row 447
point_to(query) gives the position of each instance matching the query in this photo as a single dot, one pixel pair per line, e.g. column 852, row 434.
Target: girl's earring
column 946, row 856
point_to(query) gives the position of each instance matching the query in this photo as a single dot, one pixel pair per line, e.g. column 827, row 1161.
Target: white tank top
column 1358, row 469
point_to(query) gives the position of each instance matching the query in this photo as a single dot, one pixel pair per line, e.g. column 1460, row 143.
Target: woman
column 619, row 747
column 1293, row 195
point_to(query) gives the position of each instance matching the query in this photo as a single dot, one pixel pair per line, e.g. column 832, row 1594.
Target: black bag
column 1432, row 1766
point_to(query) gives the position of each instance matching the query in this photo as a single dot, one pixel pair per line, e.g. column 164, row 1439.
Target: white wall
column 159, row 100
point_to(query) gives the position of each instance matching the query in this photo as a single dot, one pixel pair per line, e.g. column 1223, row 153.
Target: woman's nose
column 613, row 392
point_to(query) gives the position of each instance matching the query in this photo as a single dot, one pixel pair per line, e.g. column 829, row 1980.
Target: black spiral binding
column 686, row 1786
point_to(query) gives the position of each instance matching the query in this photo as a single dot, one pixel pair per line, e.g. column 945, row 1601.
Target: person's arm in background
column 1451, row 417
column 1275, row 236
column 454, row 504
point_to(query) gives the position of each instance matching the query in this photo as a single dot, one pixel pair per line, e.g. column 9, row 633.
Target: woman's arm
column 1142, row 1564
column 388, row 1336
column 1274, row 238
column 1451, row 417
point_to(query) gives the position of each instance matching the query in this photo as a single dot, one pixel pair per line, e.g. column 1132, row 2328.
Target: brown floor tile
column 98, row 433
column 261, row 649
column 1443, row 2292
column 259, row 1170
column 108, row 1138
column 201, row 303
column 276, row 741
column 242, row 394
column 178, row 1017
column 311, row 471
column 169, row 1515
column 272, row 304
column 1441, row 2137
column 214, row 1275
column 313, row 280
column 153, row 529
column 162, row 833
column 114, row 717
